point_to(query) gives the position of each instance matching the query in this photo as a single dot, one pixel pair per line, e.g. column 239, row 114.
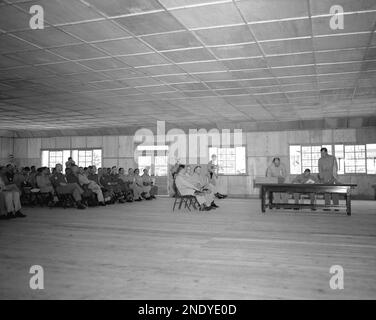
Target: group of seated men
column 195, row 184
column 103, row 186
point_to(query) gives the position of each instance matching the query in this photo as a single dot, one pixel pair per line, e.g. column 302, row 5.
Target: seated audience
column 185, row 187
column 62, row 186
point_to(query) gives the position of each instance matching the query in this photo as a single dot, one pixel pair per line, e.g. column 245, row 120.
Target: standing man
column 213, row 174
column 278, row 170
column 328, row 174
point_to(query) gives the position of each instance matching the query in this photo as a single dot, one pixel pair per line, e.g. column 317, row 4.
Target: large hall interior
column 222, row 106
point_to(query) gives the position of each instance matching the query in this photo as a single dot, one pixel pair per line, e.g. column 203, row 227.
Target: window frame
column 232, row 174
column 70, row 152
column 333, row 152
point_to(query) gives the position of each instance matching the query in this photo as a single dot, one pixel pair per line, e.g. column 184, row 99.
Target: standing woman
column 213, row 169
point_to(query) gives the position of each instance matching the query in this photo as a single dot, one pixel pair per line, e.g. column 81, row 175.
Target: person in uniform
column 278, row 170
column 70, row 163
column 213, row 170
column 91, row 185
column 304, row 178
column 62, row 186
column 201, row 182
column 148, row 183
column 144, row 191
column 10, row 197
column 328, row 169
column 124, row 185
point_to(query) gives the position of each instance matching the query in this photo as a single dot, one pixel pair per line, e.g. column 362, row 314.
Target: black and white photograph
column 187, row 151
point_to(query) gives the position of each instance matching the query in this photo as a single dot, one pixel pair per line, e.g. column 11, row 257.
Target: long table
column 269, row 188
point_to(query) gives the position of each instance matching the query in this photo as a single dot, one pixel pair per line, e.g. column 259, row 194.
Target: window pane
column 45, row 162
column 339, row 154
column 144, row 162
column 295, row 160
column 240, row 160
column 371, row 158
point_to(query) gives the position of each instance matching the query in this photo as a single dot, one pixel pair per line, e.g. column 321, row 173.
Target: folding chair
column 187, row 200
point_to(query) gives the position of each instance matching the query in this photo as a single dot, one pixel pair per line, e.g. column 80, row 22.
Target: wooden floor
column 145, row 251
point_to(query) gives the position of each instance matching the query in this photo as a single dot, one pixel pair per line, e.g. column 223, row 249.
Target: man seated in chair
column 125, row 185
column 62, row 186
column 148, row 184
column 45, row 185
column 201, row 182
column 10, row 196
column 304, row 178
column 185, row 187
column 91, row 185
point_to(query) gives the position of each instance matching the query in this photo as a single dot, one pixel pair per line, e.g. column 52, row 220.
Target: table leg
column 270, row 196
column 348, row 202
column 262, row 199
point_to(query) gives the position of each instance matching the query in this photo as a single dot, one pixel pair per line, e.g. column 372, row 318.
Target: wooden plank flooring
column 145, row 251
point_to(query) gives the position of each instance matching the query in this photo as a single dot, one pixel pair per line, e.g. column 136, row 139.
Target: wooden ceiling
column 113, row 63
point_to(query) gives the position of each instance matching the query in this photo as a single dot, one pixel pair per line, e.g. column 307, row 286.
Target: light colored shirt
column 277, row 172
column 184, row 186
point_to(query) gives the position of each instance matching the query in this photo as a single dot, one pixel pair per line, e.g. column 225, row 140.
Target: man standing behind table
column 278, row 170
column 328, row 174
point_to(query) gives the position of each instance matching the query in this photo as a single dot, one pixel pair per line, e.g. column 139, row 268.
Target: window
column 144, row 162
column 153, row 158
column 82, row 158
column 371, row 158
column 231, row 161
column 355, row 159
column 306, row 157
column 351, row 159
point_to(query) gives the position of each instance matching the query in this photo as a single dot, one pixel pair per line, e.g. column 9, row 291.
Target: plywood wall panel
column 110, row 162
column 34, row 147
column 78, row 142
column 94, row 141
column 298, row 137
column 366, row 135
column 127, row 163
column 256, row 143
column 126, row 146
column 344, row 135
column 110, row 146
column 277, row 144
column 63, row 142
column 21, row 148
column 49, row 143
